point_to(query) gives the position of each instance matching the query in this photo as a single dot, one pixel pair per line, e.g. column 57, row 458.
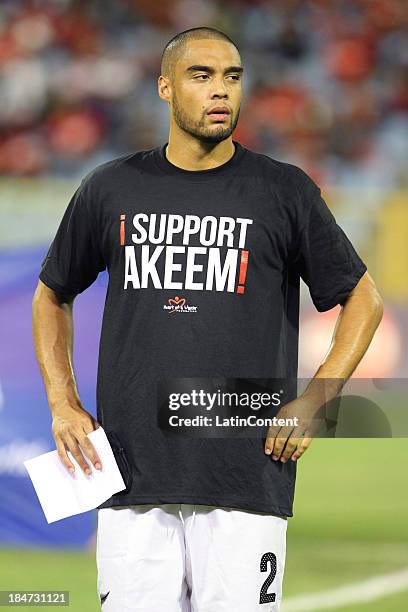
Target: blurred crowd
column 325, row 82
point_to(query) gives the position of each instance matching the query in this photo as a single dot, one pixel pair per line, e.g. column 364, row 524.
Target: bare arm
column 53, row 333
column 353, row 332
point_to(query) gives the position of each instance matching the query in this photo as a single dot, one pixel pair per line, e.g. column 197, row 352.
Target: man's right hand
column 70, row 426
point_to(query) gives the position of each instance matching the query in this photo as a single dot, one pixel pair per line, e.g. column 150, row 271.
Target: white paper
column 61, row 494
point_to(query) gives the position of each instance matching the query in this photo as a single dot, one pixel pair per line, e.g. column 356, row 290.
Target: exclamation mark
column 122, row 229
column 242, row 271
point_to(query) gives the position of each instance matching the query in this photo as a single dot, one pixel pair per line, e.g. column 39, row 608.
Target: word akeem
column 154, row 260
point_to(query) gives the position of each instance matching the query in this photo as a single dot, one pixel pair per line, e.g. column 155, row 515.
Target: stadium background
column 325, row 88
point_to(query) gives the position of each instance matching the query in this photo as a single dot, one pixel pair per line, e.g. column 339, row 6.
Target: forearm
column 53, row 340
column 354, row 330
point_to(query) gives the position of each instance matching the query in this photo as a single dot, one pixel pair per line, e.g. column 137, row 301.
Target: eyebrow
column 211, row 70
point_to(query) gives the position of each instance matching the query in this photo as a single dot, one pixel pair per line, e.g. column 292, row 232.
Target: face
column 207, row 76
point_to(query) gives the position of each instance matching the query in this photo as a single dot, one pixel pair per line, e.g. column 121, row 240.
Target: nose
column 220, row 89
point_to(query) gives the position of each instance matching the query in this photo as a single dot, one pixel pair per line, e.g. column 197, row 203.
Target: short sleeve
column 326, row 259
column 74, row 258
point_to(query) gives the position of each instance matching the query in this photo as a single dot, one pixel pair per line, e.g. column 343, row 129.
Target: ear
column 164, row 88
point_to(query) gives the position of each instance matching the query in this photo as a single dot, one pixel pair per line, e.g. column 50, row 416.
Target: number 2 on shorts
column 264, row 596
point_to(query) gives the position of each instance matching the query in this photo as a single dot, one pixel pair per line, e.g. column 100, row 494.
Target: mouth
column 219, row 113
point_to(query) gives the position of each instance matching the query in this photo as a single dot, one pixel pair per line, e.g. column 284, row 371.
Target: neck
column 192, row 154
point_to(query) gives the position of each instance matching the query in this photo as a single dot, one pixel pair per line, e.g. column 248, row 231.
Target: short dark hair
column 174, row 47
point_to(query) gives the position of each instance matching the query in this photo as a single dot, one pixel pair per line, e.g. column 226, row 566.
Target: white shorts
column 189, row 558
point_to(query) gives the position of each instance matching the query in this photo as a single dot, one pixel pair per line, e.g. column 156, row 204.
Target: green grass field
column 350, row 524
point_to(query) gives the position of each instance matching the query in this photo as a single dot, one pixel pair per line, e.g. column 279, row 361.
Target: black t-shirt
column 204, row 270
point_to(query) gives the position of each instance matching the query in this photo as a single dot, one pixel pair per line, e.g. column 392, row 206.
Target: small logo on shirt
column 178, row 304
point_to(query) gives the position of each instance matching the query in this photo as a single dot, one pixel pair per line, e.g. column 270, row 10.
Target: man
column 205, row 242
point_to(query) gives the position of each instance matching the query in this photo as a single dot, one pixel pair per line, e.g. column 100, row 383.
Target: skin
column 53, row 333
column 196, row 142
column 355, row 327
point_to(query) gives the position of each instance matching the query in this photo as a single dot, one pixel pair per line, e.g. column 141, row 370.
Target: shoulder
column 282, row 174
column 111, row 171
